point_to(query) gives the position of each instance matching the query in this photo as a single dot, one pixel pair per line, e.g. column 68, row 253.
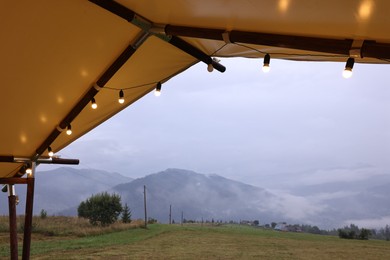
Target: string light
column 347, row 73
column 267, row 60
column 69, row 130
column 51, row 153
column 29, row 170
column 121, row 99
column 157, row 91
column 266, row 68
column 93, row 103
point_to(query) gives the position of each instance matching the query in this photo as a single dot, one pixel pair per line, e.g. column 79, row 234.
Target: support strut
column 28, row 218
column 101, row 82
column 147, row 25
column 13, row 234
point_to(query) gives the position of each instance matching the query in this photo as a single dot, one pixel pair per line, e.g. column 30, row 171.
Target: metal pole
column 146, row 215
column 170, row 214
column 28, row 214
column 13, row 235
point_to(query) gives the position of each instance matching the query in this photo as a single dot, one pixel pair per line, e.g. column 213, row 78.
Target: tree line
column 104, row 209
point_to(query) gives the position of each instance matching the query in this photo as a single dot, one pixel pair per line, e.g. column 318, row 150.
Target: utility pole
column 146, row 215
column 182, row 214
column 170, row 214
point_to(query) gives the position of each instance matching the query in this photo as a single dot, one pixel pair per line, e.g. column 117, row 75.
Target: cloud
column 323, row 176
column 324, row 196
column 295, row 207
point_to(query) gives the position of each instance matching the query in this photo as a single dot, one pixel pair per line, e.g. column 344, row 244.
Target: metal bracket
column 356, row 49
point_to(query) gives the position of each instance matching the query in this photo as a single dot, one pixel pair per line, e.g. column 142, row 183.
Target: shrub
column 101, row 209
column 152, row 220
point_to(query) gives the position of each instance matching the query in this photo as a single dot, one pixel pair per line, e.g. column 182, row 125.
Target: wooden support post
column 13, row 235
column 28, row 218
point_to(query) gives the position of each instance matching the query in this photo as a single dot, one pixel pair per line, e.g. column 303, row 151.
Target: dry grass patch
column 64, row 226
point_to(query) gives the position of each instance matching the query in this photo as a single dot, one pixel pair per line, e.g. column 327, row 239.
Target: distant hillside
column 364, row 202
column 62, row 188
column 198, row 196
column 209, row 197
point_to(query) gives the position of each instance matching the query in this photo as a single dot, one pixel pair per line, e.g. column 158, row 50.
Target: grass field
column 197, row 242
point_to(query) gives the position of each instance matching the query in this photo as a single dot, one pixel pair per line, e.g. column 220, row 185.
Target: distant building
column 281, row 226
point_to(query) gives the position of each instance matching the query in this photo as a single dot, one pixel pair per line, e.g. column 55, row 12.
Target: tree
column 353, row 232
column 43, row 214
column 387, row 232
column 101, row 209
column 126, row 214
column 315, row 230
column 364, row 234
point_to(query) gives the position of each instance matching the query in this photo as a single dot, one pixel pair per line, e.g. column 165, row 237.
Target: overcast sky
column 301, row 123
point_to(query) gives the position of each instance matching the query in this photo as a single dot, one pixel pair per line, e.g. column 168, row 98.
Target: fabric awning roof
column 57, row 55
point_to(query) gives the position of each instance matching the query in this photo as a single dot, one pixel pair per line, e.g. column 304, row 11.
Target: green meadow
column 161, row 241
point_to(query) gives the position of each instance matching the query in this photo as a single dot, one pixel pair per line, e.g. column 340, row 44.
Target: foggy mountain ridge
column 197, row 195
column 64, row 187
column 201, row 196
column 213, row 196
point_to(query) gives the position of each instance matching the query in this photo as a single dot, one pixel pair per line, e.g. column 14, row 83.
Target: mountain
column 197, row 196
column 207, row 197
column 63, row 188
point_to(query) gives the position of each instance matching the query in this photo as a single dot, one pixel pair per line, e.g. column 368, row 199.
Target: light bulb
column 69, row 130
column 347, row 73
column 51, row 153
column 266, row 68
column 210, row 68
column 93, row 103
column 157, row 91
column 121, row 99
column 29, row 171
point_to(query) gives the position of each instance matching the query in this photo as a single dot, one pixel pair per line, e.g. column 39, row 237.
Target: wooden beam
column 28, row 218
column 6, row 158
column 187, row 31
column 370, row 48
column 13, row 180
column 13, row 229
column 146, row 25
column 333, row 46
column 56, row 160
column 101, row 82
column 376, row 50
column 188, row 48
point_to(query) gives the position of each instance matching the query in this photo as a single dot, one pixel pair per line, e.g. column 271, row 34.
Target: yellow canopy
column 58, row 55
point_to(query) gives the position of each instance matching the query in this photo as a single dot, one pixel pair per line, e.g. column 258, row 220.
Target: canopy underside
column 58, row 55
